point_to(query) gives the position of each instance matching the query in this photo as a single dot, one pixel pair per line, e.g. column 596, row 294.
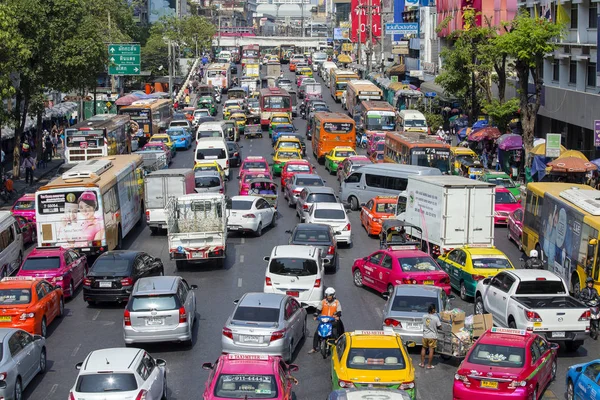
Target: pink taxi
column 63, row 267
column 245, row 376
column 247, row 176
column 254, row 163
column 375, row 139
column 506, row 203
column 386, row 268
column 25, row 207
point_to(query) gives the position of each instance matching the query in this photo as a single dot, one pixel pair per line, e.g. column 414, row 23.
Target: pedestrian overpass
column 267, row 41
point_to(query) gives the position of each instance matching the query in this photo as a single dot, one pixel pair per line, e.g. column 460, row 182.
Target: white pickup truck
column 537, row 301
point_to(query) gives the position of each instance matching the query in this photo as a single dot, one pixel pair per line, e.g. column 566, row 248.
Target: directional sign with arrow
column 124, row 59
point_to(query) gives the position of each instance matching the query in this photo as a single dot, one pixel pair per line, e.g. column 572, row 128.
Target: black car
column 113, row 274
column 317, row 235
column 235, row 154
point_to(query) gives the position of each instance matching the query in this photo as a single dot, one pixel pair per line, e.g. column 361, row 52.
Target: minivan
column 213, row 129
column 11, row 244
column 412, row 121
column 213, row 149
column 373, row 180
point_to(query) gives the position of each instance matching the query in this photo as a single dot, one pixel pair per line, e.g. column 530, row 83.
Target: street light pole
column 170, row 55
column 369, row 43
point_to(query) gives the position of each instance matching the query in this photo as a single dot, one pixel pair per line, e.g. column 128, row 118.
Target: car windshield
column 288, row 154
column 293, row 266
column 493, row 355
column 255, row 165
column 309, row 182
column 15, row 296
column 247, row 386
column 40, row 263
column 207, row 181
column 24, row 205
column 505, row 182
column 150, row 303
column 253, row 103
column 162, row 139
column 344, row 154
column 415, row 304
column 312, row 236
column 241, row 205
column 321, row 198
column 491, row 262
column 418, row 264
column 375, row 359
column 206, row 168
column 256, row 314
column 330, row 214
column 380, row 121
column 385, row 208
column 110, row 266
column 106, row 382
column 505, row 198
column 415, row 123
column 298, row 168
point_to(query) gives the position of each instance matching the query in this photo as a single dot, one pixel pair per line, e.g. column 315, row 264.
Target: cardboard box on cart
column 481, row 323
column 452, row 322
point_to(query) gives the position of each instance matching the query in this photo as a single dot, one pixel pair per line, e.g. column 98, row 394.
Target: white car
column 334, row 215
column 250, row 214
column 120, row 373
column 200, row 113
column 296, row 271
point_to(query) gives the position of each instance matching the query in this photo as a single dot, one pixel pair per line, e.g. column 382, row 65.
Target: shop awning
column 396, row 69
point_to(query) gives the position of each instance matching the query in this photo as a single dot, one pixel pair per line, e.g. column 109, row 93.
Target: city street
column 86, row 328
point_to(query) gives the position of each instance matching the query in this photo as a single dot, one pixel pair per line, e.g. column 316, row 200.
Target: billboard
column 341, row 33
column 360, row 20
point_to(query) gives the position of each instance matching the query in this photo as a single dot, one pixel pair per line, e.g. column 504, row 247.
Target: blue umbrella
column 480, row 124
column 596, row 162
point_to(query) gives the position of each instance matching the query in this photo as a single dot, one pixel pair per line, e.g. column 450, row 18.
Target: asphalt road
column 85, row 328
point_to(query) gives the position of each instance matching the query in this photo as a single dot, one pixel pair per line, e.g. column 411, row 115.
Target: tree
column 527, row 41
column 12, row 47
column 502, row 113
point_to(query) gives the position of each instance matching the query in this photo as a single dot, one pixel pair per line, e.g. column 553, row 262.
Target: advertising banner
column 360, row 20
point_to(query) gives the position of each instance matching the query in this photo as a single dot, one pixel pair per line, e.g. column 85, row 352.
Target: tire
column 570, row 390
column 119, row 239
column 594, row 331
column 576, row 286
column 324, row 349
column 573, row 346
column 512, row 324
column 18, row 395
column 43, row 327
column 554, row 368
column 161, row 273
column 358, row 278
column 274, row 220
column 180, row 264
column 534, row 395
column 164, row 393
column 43, row 363
column 61, row 307
column 463, row 291
column 91, row 303
column 258, row 231
column 71, row 289
column 354, row 203
column 479, row 308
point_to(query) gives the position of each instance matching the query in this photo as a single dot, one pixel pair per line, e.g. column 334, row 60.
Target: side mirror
column 193, row 287
column 363, row 204
column 451, row 297
column 160, row 362
column 236, row 302
column 487, row 281
column 304, row 305
column 57, row 287
column 410, row 343
column 385, row 295
column 208, row 366
column 241, row 147
column 266, row 258
column 579, row 369
column 293, row 368
column 554, row 346
column 78, row 365
column 288, row 231
column 37, row 337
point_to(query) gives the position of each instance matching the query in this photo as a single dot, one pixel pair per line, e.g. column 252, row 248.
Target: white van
column 212, row 129
column 412, row 121
column 325, row 70
column 373, row 180
column 213, row 149
column 11, row 244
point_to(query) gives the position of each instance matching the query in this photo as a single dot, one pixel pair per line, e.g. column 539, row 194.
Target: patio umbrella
column 510, row 141
column 344, row 58
column 538, row 141
column 596, row 162
column 573, row 153
column 487, row 133
column 571, row 164
column 482, row 123
column 540, row 150
column 126, row 100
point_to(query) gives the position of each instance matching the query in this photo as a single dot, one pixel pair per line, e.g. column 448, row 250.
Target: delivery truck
column 158, row 187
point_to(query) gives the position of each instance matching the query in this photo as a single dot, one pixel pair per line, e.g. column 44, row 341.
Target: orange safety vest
column 329, row 309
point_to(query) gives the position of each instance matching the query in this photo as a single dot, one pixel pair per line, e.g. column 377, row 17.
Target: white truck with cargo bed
column 158, row 187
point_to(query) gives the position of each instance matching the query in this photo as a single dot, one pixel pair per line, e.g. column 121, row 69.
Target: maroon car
column 515, row 227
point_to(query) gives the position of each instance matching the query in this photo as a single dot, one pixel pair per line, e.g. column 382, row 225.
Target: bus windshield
column 282, row 102
column 341, row 85
column 381, row 120
column 215, row 73
column 430, row 157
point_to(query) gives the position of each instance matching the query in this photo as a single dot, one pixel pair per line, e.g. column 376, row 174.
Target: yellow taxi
column 227, row 111
column 240, row 120
column 288, row 142
column 282, row 156
column 306, row 71
column 279, row 118
column 210, row 166
column 166, row 139
column 336, row 156
column 372, row 359
column 468, row 265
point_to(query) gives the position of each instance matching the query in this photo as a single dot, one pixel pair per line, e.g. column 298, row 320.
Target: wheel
column 358, row 279
column 43, row 361
column 553, row 370
column 43, row 327
column 274, row 219
column 324, row 348
column 304, row 329
column 290, row 352
column 512, row 324
column 61, row 307
column 18, row 390
column 164, row 393
column 258, row 231
column 534, row 395
column 119, row 239
column 220, row 262
column 354, row 203
column 593, row 331
column 479, row 307
column 180, row 264
column 570, row 391
column 161, row 273
column 71, row 289
column 574, row 345
column 463, row 291
column 576, row 285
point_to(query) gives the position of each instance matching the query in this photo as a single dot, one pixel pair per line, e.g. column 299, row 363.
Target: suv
column 132, row 373
column 296, row 271
column 317, row 235
column 310, row 195
column 160, row 309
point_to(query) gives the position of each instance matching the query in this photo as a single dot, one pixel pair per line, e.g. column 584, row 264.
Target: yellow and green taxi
column 464, row 162
column 502, row 179
column 164, row 138
column 227, row 111
column 210, row 166
column 282, row 156
column 279, row 118
column 468, row 265
column 288, row 142
column 240, row 120
column 372, row 359
column 306, row 71
column 336, row 156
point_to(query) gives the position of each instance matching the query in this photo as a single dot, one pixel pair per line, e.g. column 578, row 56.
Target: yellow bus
column 561, row 221
column 151, row 115
column 338, row 80
column 360, row 90
column 92, row 206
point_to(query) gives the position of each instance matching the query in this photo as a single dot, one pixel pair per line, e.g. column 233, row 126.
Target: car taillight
column 71, row 396
column 126, row 282
column 345, row 384
column 248, row 216
column 141, row 395
column 408, row 281
column 445, row 280
column 347, row 227
column 277, row 335
column 127, row 318
column 182, row 315
column 221, row 190
column 516, row 384
column 3, row 376
column 477, row 278
column 226, row 163
column 331, row 250
column 317, row 283
column 236, row 154
column 227, row 333
column 305, row 207
column 147, row 215
column 407, row 385
column 392, row 322
column 585, row 316
column 268, row 281
column 87, row 282
column 296, row 191
column 462, row 378
column 533, row 316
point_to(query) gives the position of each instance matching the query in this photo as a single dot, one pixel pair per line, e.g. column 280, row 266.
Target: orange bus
column 330, row 130
column 414, row 148
column 272, row 100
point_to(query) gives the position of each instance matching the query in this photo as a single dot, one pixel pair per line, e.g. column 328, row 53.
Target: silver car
column 265, row 323
column 160, row 309
column 285, row 84
column 406, row 306
column 310, row 195
column 296, row 183
column 209, row 182
column 23, row 357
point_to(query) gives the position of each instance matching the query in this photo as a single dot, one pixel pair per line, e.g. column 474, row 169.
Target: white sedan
column 334, row 215
column 250, row 214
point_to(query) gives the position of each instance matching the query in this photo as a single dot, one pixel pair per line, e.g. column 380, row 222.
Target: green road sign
column 124, row 59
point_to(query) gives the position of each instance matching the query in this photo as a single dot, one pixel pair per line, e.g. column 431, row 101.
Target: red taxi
column 25, row 207
column 244, row 185
column 376, row 142
column 240, row 376
column 397, row 265
column 294, row 167
column 505, row 204
column 506, row 363
column 254, row 163
column 377, row 209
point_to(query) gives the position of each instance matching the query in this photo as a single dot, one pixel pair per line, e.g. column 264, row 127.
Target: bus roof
column 413, row 139
column 377, row 105
column 100, row 121
column 218, row 66
column 339, row 72
column 273, row 91
column 94, row 173
column 362, row 82
column 147, row 103
column 333, row 116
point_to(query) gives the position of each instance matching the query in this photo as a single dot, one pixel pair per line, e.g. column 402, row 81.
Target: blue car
column 279, row 129
column 181, row 137
column 582, row 381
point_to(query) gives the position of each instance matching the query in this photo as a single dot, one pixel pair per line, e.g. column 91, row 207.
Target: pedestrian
column 29, row 166
column 49, row 148
column 497, row 159
column 431, row 323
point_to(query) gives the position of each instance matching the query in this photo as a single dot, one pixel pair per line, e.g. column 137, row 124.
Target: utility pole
column 381, row 39
column 302, row 18
column 369, row 43
column 219, row 37
column 170, row 55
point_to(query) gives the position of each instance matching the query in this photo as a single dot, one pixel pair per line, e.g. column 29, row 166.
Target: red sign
column 360, row 20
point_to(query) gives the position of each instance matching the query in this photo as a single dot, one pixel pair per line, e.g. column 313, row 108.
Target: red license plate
column 293, row 293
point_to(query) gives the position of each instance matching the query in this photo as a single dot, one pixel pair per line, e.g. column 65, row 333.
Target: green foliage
column 502, row 113
column 434, row 120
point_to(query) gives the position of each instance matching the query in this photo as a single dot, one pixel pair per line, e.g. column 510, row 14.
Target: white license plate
column 413, row 326
column 234, row 228
column 154, row 321
column 251, row 339
column 105, row 284
column 198, row 254
column 558, row 334
column 86, row 249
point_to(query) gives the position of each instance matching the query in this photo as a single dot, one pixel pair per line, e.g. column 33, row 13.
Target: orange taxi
column 376, row 210
column 30, row 304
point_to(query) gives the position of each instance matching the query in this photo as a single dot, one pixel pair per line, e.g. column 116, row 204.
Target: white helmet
column 330, row 292
column 533, row 254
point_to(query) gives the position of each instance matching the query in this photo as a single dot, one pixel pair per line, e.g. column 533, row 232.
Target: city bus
column 338, row 80
column 99, row 136
column 272, row 100
column 92, row 206
column 151, row 115
column 561, row 221
column 219, row 75
column 331, row 130
column 373, row 116
column 285, row 53
column 251, row 51
column 359, row 90
column 416, row 149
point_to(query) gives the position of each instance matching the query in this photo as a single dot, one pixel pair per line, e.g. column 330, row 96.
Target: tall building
column 342, row 11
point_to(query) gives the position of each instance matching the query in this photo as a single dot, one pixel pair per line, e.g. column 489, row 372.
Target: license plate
column 427, row 282
column 413, row 325
column 154, row 321
column 537, row 324
column 198, row 254
column 558, row 334
column 5, row 319
column 106, row 284
column 293, row 293
column 86, row 249
column 251, row 339
column 489, row 384
column 234, row 228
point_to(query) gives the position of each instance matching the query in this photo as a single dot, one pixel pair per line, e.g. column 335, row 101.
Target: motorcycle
column 325, row 332
column 594, row 318
column 218, row 97
column 362, row 140
column 531, row 263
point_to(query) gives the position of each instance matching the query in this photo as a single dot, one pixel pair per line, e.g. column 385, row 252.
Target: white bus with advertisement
column 219, row 75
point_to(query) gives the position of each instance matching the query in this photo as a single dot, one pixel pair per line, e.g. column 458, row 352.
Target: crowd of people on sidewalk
column 53, row 144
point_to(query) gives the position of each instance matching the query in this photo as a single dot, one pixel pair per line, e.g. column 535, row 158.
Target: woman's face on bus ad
column 86, row 210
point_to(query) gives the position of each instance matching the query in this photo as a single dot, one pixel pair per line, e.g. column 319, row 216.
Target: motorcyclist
column 533, row 262
column 331, row 307
column 589, row 292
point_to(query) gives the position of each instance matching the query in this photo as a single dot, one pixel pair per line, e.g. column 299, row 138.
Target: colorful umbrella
column 487, row 133
column 344, row 58
column 571, row 164
column 540, row 150
column 573, row 153
column 127, row 100
column 482, row 123
column 510, row 141
column 596, row 162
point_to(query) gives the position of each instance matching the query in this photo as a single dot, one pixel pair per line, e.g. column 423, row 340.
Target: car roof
column 306, row 226
column 19, row 282
column 521, row 339
column 408, row 253
column 320, row 189
column 290, row 250
column 413, row 290
column 385, row 199
column 374, row 339
column 156, row 285
column 113, row 359
column 46, row 252
column 248, row 364
column 482, row 251
column 307, row 176
column 120, row 254
column 265, row 300
column 502, row 189
column 246, row 198
column 339, row 148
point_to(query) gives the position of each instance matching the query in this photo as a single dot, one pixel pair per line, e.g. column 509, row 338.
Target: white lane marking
column 52, row 391
column 379, row 312
column 242, row 258
column 75, row 350
column 95, row 317
column 239, row 282
column 243, row 240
